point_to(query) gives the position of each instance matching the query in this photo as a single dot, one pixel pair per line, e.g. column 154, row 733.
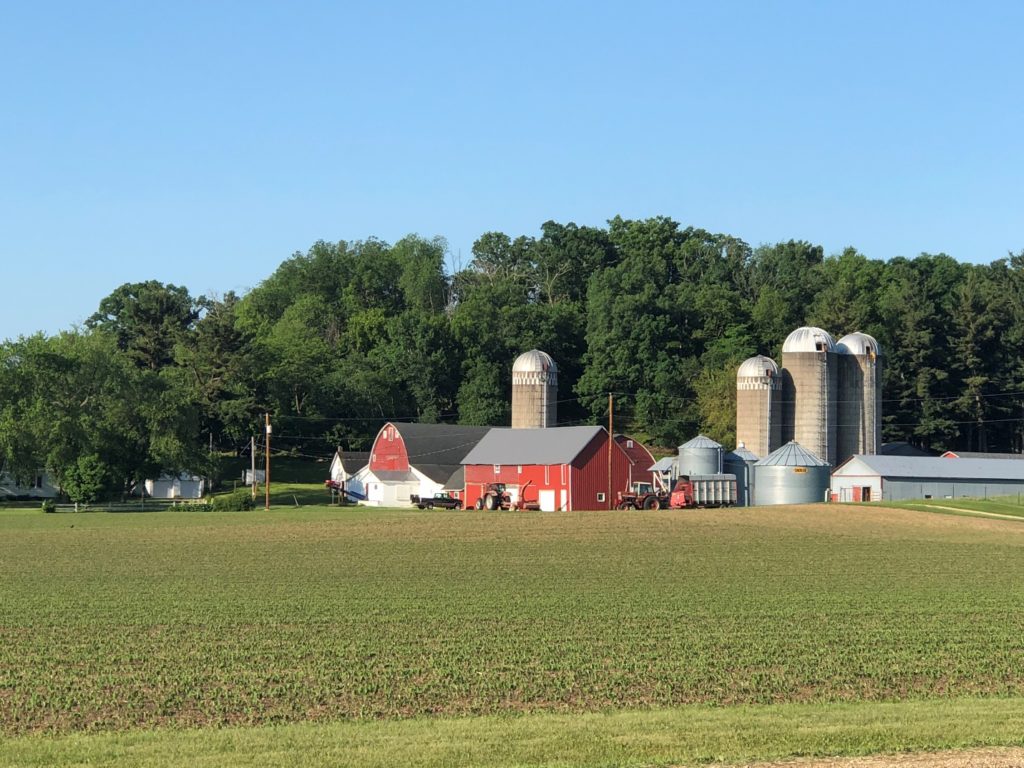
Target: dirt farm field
column 111, row 623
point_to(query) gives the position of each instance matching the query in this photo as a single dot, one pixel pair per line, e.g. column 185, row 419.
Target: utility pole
column 266, row 477
column 611, row 439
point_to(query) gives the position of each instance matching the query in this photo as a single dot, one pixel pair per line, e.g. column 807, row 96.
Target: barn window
column 600, row 496
column 391, row 433
column 374, row 457
column 520, row 468
column 563, row 474
column 497, row 469
column 629, row 443
column 547, row 475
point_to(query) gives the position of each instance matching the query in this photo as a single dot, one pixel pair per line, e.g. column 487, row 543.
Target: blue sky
column 203, row 143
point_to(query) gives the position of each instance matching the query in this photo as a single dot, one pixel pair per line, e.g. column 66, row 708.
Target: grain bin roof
column 809, row 339
column 741, row 453
column 935, row 467
column 554, row 445
column 792, row 454
column 700, row 441
column 666, row 464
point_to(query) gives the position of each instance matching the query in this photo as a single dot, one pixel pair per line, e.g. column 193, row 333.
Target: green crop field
column 121, row 622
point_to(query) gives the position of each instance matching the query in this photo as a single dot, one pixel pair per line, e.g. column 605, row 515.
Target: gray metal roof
column 792, row 454
column 741, row 453
column 554, row 445
column 935, row 467
column 700, row 441
column 457, row 482
column 395, row 476
column 666, row 464
column 982, row 455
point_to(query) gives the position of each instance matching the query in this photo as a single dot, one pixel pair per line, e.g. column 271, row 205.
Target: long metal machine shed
column 896, row 478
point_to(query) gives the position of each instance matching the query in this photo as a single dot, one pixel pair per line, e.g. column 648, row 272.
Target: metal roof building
column 898, row 478
column 559, row 468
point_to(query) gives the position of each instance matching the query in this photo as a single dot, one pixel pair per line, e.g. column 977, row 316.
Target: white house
column 184, row 486
column 350, row 469
column 39, row 486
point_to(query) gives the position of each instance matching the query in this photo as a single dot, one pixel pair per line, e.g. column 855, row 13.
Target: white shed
column 184, row 486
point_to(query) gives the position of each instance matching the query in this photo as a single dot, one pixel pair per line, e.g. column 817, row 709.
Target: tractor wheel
column 479, row 503
column 490, row 502
column 652, row 502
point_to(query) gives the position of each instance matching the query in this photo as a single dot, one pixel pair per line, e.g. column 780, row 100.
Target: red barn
column 640, row 459
column 562, row 468
column 415, row 458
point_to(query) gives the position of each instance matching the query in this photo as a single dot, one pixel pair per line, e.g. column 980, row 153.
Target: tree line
column 348, row 335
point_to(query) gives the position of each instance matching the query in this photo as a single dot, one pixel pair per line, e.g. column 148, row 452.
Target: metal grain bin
column 740, row 462
column 700, row 456
column 791, row 475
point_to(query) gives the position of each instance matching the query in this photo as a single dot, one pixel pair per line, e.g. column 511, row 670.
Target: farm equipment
column 338, row 487
column 497, row 497
column 704, row 491
column 643, row 496
column 689, row 492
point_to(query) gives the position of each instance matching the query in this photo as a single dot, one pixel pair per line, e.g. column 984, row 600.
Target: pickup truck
column 439, row 499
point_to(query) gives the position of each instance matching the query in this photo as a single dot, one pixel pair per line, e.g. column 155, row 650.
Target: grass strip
column 694, row 735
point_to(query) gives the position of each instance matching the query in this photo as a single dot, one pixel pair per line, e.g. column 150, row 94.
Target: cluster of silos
column 823, row 405
column 827, row 396
column 534, row 390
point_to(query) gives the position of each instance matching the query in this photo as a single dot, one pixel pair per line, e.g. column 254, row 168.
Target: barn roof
column 457, row 481
column 935, row 467
column 981, row 455
column 436, row 450
column 553, row 445
column 352, row 461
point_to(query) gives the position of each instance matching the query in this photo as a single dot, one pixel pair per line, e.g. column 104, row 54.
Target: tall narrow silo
column 700, row 456
column 859, row 428
column 759, row 405
column 810, row 391
column 534, row 390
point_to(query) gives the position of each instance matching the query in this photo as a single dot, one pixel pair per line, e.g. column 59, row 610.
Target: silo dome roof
column 858, row 344
column 809, row 339
column 701, row 441
column 534, row 361
column 758, row 365
column 792, row 454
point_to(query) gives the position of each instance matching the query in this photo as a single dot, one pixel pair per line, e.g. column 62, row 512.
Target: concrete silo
column 810, row 391
column 534, row 390
column 759, row 405
column 700, row 456
column 859, row 420
column 791, row 475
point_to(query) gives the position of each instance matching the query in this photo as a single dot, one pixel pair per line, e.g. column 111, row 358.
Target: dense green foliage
column 133, row 620
column 343, row 337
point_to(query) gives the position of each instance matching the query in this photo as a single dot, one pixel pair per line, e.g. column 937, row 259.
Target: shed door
column 547, row 501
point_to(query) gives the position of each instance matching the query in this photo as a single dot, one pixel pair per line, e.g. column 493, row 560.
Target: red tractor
column 642, row 496
column 497, row 497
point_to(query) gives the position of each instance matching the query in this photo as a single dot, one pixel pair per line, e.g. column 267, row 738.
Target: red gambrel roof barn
column 562, row 468
column 416, row 458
